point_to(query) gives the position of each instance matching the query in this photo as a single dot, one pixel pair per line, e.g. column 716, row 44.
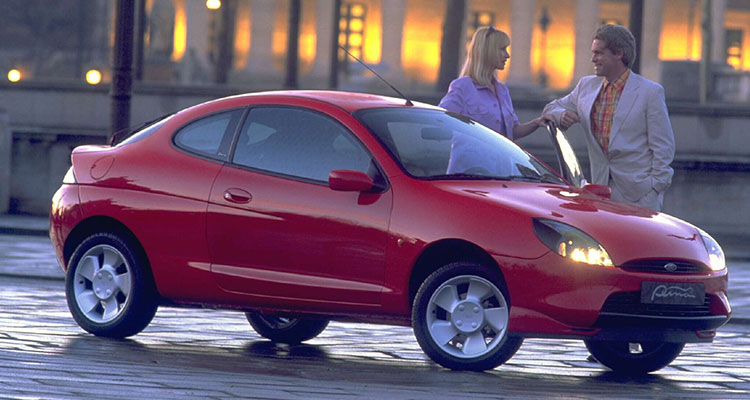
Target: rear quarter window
column 210, row 136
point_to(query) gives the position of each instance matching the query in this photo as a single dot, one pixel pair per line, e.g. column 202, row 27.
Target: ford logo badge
column 671, row 267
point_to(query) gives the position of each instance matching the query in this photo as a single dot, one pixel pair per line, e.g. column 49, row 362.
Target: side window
column 298, row 143
column 210, row 136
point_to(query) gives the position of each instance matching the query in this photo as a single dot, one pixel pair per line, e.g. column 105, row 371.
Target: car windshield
column 434, row 144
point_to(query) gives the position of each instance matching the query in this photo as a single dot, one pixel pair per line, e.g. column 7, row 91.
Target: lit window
column 352, row 36
column 610, row 21
column 355, row 40
column 734, row 47
column 358, row 10
column 356, row 25
column 478, row 19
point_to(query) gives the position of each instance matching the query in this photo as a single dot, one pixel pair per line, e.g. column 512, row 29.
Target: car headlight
column 715, row 253
column 571, row 243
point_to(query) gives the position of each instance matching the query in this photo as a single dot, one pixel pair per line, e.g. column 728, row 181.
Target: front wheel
column 285, row 330
column 109, row 287
column 634, row 358
column 460, row 318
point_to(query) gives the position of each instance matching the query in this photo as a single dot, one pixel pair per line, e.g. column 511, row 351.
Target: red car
column 301, row 207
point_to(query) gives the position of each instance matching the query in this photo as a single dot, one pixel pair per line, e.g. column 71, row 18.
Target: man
column 624, row 116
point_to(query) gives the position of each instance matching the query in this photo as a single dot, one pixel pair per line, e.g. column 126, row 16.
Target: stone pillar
column 521, row 29
column 393, row 32
column 586, row 21
column 6, row 150
column 260, row 58
column 321, row 67
column 649, row 52
column 194, row 65
column 718, row 31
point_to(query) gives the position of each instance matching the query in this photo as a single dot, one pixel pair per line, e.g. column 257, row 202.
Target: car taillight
column 70, row 177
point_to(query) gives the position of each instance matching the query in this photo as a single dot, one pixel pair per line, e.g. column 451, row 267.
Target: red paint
column 219, row 235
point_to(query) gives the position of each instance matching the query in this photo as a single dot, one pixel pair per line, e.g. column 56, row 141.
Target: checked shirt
column 604, row 108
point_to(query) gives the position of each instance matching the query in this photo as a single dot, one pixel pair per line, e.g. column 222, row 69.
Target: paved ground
column 211, row 354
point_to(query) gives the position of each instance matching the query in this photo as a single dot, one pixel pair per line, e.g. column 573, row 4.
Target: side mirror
column 343, row 180
column 599, row 190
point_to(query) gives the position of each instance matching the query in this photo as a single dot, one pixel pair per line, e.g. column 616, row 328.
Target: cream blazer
column 641, row 142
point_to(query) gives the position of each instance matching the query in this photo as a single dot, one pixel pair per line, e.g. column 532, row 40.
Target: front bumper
column 555, row 297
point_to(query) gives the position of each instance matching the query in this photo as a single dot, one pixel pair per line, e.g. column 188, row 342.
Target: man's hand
column 568, row 118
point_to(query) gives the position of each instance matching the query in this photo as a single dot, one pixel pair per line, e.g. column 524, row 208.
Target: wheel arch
column 102, row 223
column 444, row 252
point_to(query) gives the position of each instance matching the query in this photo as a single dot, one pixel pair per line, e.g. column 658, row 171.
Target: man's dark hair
column 618, row 38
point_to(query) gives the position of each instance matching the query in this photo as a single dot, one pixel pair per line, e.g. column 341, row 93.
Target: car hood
column 627, row 232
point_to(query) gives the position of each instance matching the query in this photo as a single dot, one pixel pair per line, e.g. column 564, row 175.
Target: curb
column 5, row 230
column 29, row 276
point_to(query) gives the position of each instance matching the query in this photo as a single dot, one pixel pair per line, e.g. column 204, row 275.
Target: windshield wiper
column 460, row 175
column 529, row 178
column 515, row 178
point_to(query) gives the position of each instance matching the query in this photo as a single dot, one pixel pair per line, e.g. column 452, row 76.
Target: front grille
column 630, row 303
column 657, row 267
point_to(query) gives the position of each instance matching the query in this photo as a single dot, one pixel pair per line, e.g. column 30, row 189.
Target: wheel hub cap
column 104, row 283
column 467, row 317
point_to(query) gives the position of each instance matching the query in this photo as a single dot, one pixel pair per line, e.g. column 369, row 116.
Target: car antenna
column 408, row 102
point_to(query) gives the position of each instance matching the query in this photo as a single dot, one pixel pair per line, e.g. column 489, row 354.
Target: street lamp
column 93, row 77
column 14, row 75
column 213, row 4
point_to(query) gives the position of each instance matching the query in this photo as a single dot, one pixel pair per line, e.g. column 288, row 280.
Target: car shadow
column 334, row 363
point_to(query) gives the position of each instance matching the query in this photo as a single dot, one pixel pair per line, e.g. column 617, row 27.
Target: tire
column 285, row 330
column 634, row 358
column 460, row 317
column 109, row 287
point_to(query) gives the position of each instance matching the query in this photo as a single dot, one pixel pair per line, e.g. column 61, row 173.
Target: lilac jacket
column 480, row 104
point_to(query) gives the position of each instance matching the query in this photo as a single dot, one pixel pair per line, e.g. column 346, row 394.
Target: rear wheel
column 460, row 318
column 109, row 288
column 634, row 358
column 285, row 330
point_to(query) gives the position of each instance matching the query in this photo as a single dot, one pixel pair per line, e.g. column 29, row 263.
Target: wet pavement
column 212, row 354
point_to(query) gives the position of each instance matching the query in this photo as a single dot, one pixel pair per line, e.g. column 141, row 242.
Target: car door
column 277, row 232
column 567, row 162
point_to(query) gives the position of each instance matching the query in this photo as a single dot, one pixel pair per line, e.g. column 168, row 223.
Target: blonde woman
column 478, row 93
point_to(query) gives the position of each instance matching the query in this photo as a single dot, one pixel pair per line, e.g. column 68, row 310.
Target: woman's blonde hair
column 482, row 58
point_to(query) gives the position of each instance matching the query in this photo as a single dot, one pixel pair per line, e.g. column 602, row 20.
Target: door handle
column 238, row 196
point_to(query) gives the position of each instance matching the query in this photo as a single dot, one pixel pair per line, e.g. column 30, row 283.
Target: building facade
column 181, row 40
column 52, row 49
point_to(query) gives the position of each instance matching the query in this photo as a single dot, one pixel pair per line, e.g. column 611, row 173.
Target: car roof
column 349, row 101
